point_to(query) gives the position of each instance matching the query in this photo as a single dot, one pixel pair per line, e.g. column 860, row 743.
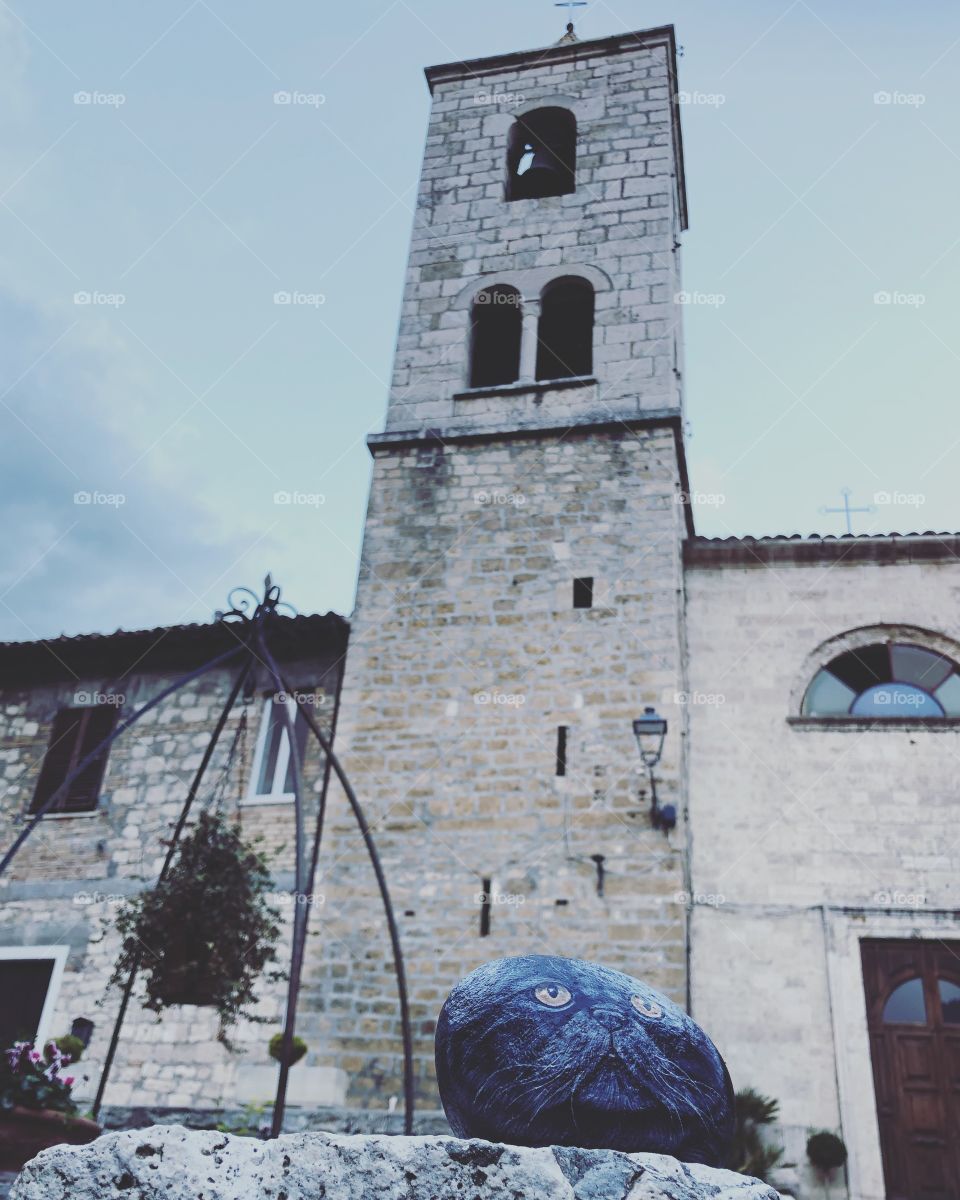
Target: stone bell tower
column 520, row 596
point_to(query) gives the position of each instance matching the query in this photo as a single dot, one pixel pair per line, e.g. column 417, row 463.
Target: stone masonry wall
column 806, row 839
column 621, row 223
column 466, row 653
column 465, row 656
column 64, row 887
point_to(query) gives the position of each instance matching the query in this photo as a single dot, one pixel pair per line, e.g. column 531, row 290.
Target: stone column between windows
column 528, row 340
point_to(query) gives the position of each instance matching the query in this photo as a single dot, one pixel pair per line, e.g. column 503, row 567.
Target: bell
column 539, row 173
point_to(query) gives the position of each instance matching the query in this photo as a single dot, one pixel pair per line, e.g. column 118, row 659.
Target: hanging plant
column 297, row 1050
column 204, row 935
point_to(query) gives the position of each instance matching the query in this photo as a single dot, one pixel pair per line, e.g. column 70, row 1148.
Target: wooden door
column 913, row 1012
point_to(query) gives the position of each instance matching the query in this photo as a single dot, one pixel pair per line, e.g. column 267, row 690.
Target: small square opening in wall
column 583, row 592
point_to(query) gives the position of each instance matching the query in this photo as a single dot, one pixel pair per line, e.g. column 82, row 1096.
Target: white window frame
column 59, row 956
column 283, row 756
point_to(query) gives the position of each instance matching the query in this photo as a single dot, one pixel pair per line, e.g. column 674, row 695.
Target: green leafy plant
column 826, row 1151
column 70, row 1046
column 750, row 1153
column 205, row 934
column 297, row 1050
column 29, row 1079
column 250, row 1123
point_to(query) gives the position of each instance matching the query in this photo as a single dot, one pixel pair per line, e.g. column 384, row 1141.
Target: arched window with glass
column 885, row 681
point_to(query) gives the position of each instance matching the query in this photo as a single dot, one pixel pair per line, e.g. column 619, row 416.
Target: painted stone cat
column 540, row 1051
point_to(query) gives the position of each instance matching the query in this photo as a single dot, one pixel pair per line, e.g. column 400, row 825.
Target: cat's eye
column 646, row 1008
column 553, row 995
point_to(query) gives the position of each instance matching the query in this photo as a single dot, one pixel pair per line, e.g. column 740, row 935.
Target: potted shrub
column 751, row 1154
column 36, row 1107
column 209, row 927
column 826, row 1152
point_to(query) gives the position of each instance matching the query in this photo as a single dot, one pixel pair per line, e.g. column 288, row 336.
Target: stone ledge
column 879, row 724
column 182, row 1165
column 583, row 423
column 527, row 385
column 847, row 550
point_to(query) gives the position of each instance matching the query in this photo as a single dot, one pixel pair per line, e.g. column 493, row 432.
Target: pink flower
column 68, row 1081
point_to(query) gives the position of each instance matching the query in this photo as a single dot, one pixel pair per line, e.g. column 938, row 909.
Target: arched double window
column 497, row 330
column 883, row 681
column 542, row 154
column 565, row 335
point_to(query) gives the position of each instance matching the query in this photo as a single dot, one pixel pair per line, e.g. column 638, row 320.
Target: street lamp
column 650, row 730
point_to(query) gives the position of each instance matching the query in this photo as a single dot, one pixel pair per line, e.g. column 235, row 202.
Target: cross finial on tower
column 569, row 36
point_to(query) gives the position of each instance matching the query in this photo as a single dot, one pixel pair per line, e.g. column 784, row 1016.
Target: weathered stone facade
column 466, row 655
column 619, row 230
column 64, row 887
column 809, row 835
column 797, row 837
column 466, row 652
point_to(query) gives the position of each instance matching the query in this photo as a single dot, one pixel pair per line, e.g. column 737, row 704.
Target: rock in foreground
column 178, row 1164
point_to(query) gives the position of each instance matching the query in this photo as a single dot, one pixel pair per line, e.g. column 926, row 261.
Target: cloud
column 89, row 544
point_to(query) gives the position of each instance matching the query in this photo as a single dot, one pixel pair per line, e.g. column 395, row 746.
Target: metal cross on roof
column 571, row 4
column 848, row 510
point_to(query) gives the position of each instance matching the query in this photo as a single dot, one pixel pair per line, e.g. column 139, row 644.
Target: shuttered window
column 75, row 732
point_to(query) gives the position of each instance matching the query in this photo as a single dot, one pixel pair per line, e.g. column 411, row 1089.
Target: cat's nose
column 609, row 1018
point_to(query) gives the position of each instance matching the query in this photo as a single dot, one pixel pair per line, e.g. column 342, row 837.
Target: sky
column 168, row 430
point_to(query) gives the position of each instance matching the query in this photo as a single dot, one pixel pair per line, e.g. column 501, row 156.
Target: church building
column 532, row 585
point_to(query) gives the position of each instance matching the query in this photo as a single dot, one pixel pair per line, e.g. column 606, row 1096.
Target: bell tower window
column 542, row 154
column 565, row 336
column 495, row 341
